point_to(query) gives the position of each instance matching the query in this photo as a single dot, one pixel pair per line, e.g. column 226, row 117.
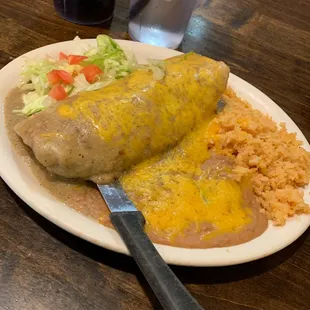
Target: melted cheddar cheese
column 150, row 116
column 175, row 191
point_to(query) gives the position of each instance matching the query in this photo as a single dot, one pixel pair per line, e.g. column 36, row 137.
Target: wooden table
column 267, row 43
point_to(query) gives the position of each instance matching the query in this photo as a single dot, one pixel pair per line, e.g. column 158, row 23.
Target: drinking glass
column 160, row 22
column 85, row 12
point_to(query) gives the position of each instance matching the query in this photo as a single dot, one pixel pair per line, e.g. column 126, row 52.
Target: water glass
column 160, row 22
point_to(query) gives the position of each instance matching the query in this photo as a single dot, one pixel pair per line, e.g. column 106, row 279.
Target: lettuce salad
column 45, row 81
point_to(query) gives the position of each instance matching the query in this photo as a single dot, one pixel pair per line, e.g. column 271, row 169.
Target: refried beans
column 85, row 198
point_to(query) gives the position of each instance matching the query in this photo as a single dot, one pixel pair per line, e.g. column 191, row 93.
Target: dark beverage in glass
column 85, row 12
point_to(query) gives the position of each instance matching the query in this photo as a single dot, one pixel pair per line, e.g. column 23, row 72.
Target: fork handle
column 167, row 287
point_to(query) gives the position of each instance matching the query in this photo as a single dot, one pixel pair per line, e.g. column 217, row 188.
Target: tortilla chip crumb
column 273, row 158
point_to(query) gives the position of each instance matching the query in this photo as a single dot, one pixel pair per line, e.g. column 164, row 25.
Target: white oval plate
column 18, row 176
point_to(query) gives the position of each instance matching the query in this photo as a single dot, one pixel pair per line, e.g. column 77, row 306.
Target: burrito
column 97, row 135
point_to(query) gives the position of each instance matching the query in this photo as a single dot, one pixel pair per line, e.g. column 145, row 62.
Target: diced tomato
column 76, row 59
column 62, row 56
column 91, row 72
column 53, row 77
column 65, row 76
column 57, row 76
column 57, row 92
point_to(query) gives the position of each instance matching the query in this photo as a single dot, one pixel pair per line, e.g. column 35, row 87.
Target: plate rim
column 172, row 255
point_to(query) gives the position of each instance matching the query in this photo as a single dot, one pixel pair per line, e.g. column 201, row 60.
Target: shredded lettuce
column 158, row 68
column 33, row 76
column 34, row 103
column 81, row 84
column 108, row 56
